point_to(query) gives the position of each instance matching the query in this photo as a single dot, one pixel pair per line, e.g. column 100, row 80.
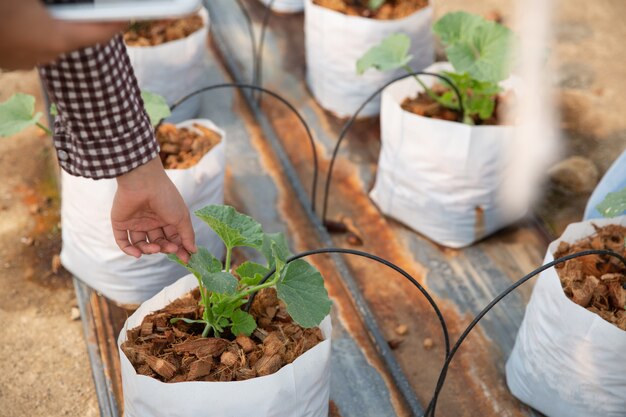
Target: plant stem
column 205, row 332
column 228, row 256
column 45, row 129
column 428, row 91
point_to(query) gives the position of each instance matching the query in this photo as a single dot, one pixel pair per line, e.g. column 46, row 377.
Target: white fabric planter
column 174, row 69
column 442, row 179
column 300, row 389
column 89, row 250
column 567, row 361
column 285, row 6
column 335, row 41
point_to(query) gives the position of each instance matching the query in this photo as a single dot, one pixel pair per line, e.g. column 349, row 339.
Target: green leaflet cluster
column 479, row 50
column 613, row 204
column 298, row 284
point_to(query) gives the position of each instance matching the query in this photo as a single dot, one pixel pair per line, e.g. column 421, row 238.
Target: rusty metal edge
column 396, row 372
column 104, row 387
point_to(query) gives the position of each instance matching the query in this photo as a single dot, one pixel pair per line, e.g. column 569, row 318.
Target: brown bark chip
column 596, row 282
column 183, row 147
column 177, row 353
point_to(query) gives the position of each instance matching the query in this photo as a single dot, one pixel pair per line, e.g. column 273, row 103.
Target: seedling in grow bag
column 299, row 285
column 478, row 49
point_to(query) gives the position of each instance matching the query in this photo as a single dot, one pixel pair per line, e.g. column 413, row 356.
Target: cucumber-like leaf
column 482, row 48
column 220, row 282
column 17, row 113
column 251, row 273
column 155, row 106
column 301, row 287
column 391, row 53
column 613, row 204
column 275, row 247
column 234, row 228
column 243, row 323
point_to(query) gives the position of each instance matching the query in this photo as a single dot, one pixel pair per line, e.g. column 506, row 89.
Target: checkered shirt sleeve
column 102, row 129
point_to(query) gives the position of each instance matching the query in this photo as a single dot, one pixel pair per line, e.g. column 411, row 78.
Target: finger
column 187, row 235
column 171, row 233
column 157, row 236
column 121, row 238
column 140, row 241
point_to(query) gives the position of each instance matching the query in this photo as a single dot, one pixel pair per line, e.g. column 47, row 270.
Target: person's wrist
column 143, row 177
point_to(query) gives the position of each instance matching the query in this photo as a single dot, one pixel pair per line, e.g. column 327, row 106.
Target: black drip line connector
column 290, row 106
column 449, row 352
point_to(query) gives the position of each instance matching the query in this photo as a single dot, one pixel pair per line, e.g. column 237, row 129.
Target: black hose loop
column 352, row 119
column 278, row 97
column 380, row 260
column 430, row 411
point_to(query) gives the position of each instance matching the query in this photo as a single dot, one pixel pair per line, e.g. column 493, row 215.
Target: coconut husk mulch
column 178, row 353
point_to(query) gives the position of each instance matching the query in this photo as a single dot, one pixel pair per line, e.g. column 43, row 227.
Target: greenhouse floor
column 46, row 371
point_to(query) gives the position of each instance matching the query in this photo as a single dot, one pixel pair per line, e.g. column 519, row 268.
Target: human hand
column 149, row 214
column 30, row 36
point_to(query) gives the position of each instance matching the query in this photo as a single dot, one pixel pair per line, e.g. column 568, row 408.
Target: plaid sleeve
column 102, row 129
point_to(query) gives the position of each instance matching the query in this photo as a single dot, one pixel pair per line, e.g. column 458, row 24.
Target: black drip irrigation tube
column 253, row 45
column 258, row 59
column 449, row 353
column 430, row 411
column 278, row 97
column 442, row 321
column 352, row 119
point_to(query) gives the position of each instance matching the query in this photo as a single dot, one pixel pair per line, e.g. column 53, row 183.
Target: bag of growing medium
column 300, row 389
column 174, row 69
column 568, row 361
column 89, row 250
column 285, row 6
column 335, row 41
column 441, row 178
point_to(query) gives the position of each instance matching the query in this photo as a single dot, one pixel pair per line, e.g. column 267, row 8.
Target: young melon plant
column 298, row 284
column 479, row 50
column 18, row 112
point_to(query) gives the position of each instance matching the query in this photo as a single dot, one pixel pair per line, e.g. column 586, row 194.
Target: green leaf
column 219, row 282
column 17, row 113
column 375, row 4
column 53, row 110
column 301, row 287
column 155, row 106
column 482, row 48
column 251, row 273
column 234, row 228
column 188, row 321
column 274, row 247
column 390, row 54
column 243, row 323
column 613, row 204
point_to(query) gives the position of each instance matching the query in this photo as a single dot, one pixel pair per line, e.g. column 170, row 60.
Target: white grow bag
column 335, row 41
column 300, row 389
column 285, row 6
column 568, row 361
column 434, row 174
column 174, row 69
column 89, row 250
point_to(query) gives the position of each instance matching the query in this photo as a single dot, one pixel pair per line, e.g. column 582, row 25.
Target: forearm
column 102, row 130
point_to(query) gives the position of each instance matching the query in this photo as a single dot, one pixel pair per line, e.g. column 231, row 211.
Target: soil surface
column 157, row 32
column 597, row 282
column 183, row 148
column 424, row 105
column 391, row 9
column 178, row 353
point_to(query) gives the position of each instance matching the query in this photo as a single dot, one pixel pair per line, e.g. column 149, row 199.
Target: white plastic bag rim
column 204, row 14
column 357, row 19
column 189, row 125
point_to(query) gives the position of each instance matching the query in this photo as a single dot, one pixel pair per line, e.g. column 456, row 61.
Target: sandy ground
column 44, row 368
